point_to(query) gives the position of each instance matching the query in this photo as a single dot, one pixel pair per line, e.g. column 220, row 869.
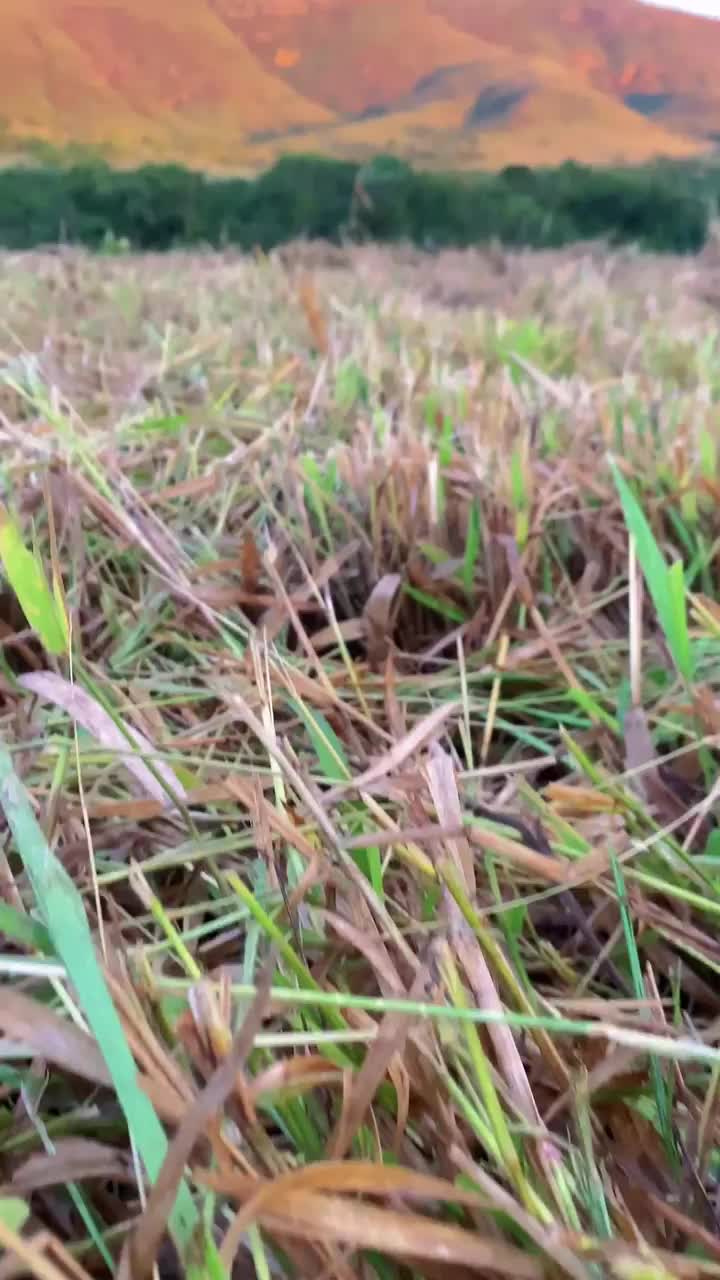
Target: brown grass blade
column 306, row 1215
column 341, row 1177
column 72, row 1160
column 314, row 314
column 22, row 1258
column 388, row 1043
column 379, row 614
column 50, row 1037
column 140, row 1251
column 443, row 788
column 84, row 709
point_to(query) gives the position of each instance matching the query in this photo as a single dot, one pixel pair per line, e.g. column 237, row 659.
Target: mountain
column 230, row 84
column 139, row 78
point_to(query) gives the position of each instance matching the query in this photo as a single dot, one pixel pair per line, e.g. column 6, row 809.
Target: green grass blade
column 24, row 930
column 677, row 605
column 41, row 605
column 662, row 581
column 14, row 1213
column 443, row 607
column 660, row 1086
column 328, row 747
column 64, row 915
column 473, row 540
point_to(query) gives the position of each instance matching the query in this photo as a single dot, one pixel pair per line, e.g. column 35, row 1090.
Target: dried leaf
column 72, row 1160
column 50, row 1037
column 379, row 614
column 671, row 797
column 294, row 1075
column 306, row 1215
column 640, row 756
column 250, row 562
column 86, row 711
column 351, row 1177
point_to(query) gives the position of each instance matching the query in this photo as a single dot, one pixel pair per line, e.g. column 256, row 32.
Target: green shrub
column 638, row 206
column 663, row 207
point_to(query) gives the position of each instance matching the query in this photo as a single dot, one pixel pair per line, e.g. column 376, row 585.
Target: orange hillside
column 232, row 83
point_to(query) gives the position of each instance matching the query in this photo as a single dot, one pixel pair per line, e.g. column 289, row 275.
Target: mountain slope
column 661, row 62
column 231, row 83
column 352, row 55
column 556, row 122
column 138, row 76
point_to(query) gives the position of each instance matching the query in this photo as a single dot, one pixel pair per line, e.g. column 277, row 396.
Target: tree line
column 662, row 207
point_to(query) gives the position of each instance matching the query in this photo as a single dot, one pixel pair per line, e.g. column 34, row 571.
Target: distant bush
column 441, row 210
column 664, row 207
column 643, row 206
column 300, row 196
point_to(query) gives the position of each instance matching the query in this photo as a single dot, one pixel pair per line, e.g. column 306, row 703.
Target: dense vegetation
column 343, row 681
column 662, row 207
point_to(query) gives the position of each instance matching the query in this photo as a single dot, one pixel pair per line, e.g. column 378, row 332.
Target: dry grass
column 407, row 896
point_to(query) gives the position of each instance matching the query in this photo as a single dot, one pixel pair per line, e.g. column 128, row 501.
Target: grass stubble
column 359, row 877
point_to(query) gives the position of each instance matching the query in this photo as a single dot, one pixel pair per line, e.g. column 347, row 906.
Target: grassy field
column 359, row 878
